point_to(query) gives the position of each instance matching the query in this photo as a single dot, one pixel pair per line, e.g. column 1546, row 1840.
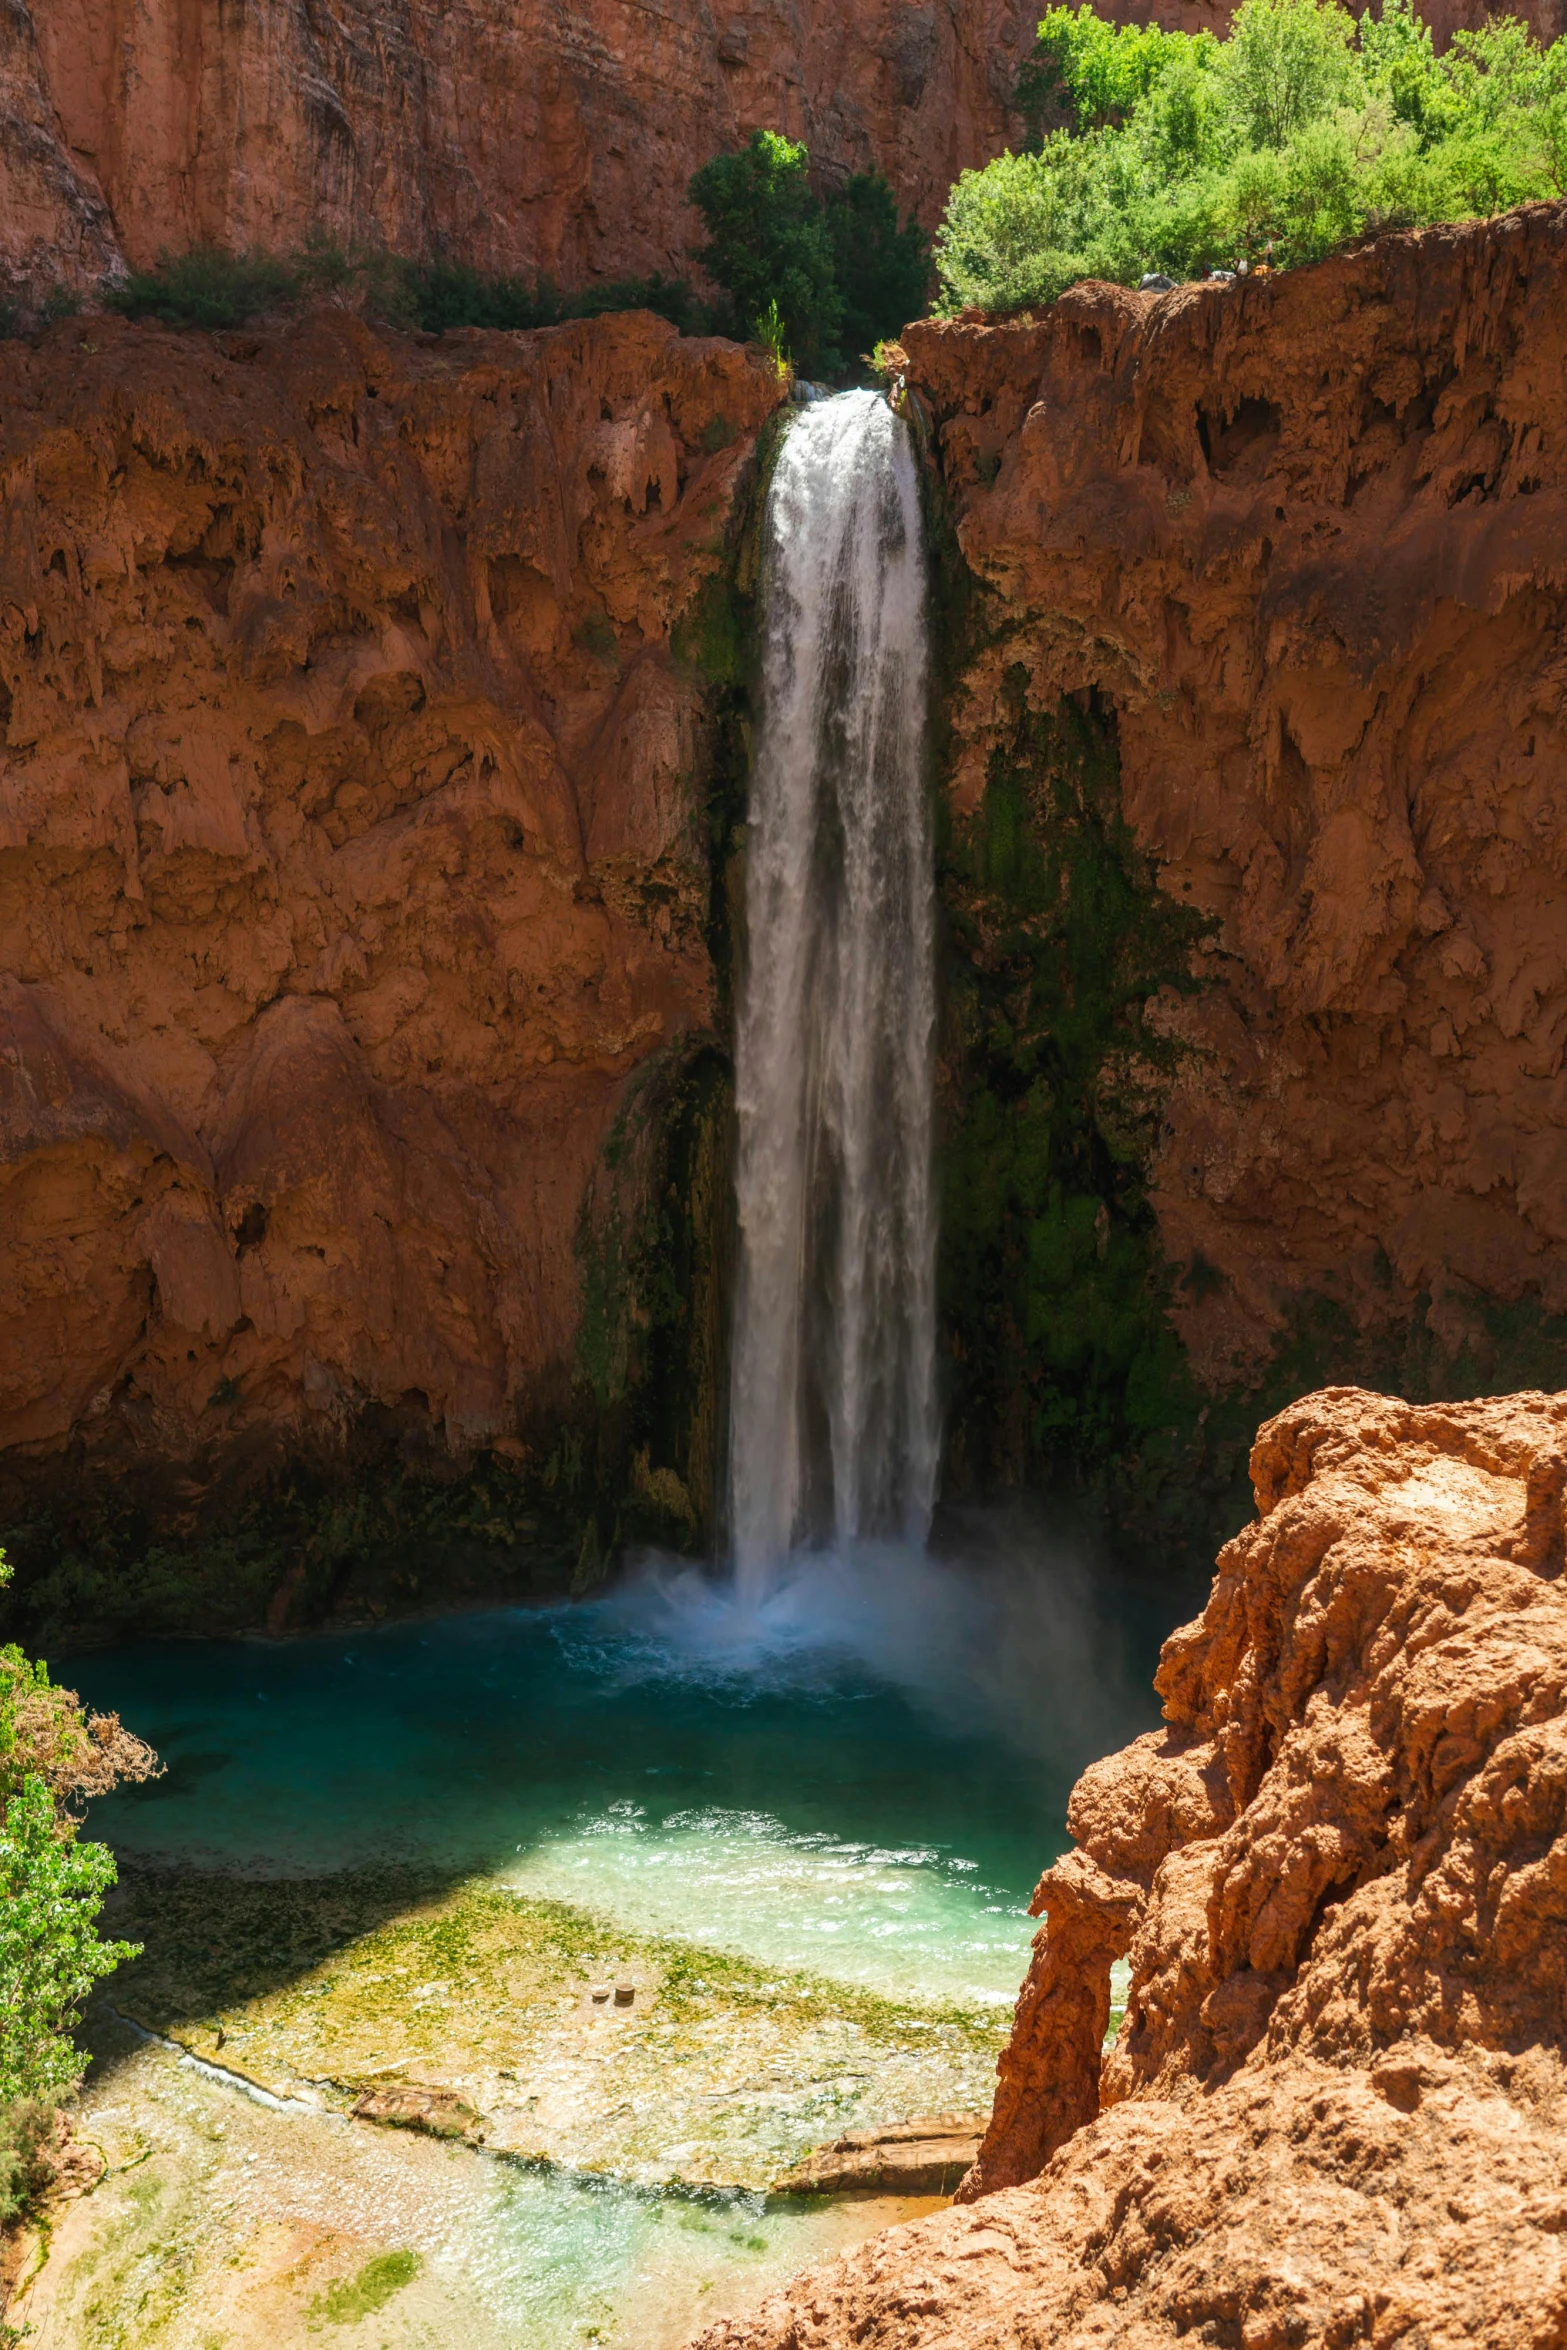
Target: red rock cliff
column 1333, row 2115
column 1308, row 540
column 505, row 133
column 350, row 858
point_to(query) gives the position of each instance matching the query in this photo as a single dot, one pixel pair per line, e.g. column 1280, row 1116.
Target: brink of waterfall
column 834, row 1425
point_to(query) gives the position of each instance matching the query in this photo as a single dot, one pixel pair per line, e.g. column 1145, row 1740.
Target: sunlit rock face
column 351, row 857
column 503, row 133
column 1334, row 2110
column 1306, row 540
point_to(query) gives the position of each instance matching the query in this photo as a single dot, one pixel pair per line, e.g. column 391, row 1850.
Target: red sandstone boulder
column 1335, row 2111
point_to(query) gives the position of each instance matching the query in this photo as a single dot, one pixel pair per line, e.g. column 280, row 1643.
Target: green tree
column 1296, row 131
column 882, row 266
column 768, row 241
column 51, row 1890
column 1287, row 62
column 1097, row 73
column 52, row 1761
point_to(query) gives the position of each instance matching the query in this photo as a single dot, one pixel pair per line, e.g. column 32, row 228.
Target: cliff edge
column 1334, row 2113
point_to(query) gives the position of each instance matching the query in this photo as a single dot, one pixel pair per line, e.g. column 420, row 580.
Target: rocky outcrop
column 1305, row 539
column 352, row 854
column 1333, row 2114
column 503, row 134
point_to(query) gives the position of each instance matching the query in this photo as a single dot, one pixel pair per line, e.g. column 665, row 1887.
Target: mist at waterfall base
column 861, row 1778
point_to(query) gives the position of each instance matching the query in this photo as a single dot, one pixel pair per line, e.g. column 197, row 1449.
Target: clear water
column 864, row 1778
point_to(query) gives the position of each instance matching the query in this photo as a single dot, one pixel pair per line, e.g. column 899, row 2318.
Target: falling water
column 833, row 1408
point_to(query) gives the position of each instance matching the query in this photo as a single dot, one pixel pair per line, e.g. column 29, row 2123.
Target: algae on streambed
column 223, row 2225
column 720, row 2071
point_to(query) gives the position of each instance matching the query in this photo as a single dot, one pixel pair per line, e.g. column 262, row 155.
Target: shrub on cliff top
column 211, row 288
column 839, row 271
column 1181, row 151
column 206, row 287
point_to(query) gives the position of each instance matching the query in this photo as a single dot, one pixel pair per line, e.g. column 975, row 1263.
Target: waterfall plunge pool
column 804, row 1835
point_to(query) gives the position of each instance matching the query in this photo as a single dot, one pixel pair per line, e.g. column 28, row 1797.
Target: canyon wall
column 503, row 133
column 1333, row 2112
column 357, row 740
column 1297, row 547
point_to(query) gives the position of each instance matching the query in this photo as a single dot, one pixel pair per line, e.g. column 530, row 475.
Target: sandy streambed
column 611, row 2185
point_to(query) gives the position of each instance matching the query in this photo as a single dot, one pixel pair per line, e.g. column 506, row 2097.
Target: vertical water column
column 833, row 1423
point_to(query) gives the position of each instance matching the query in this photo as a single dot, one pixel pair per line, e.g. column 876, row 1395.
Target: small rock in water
column 925, row 2157
column 411, row 2105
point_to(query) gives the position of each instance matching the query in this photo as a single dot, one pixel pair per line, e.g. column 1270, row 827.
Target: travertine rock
column 927, row 2156
column 1308, row 536
column 1334, row 2114
column 350, row 858
column 501, row 132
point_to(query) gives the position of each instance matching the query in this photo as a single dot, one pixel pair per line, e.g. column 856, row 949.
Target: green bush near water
column 1302, row 128
column 51, row 1891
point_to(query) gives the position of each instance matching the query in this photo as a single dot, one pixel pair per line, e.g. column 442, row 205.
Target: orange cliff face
column 1332, row 2116
column 1307, row 541
column 351, row 856
column 501, row 133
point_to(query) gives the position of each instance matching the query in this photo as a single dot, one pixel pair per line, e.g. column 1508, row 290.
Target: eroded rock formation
column 1334, row 2113
column 505, row 133
column 351, row 855
column 1307, row 539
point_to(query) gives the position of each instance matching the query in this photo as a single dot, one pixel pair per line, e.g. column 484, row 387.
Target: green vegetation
column 51, row 1891
column 652, row 1338
column 26, row 2129
column 212, row 288
column 821, row 279
column 360, row 2297
column 1053, row 1304
column 349, row 2298
column 1178, row 152
column 369, row 1538
column 207, row 287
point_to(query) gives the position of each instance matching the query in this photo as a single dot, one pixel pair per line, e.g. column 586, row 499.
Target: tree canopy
column 1179, row 152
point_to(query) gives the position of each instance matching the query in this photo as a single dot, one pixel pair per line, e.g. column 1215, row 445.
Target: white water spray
column 833, row 1414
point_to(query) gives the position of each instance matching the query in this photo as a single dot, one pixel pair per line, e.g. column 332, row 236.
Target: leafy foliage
column 51, row 1891
column 821, row 279
column 207, row 287
column 437, row 296
column 51, row 1887
column 26, row 2131
column 1179, row 152
column 1062, row 1350
column 883, row 269
column 211, row 288
column 768, row 243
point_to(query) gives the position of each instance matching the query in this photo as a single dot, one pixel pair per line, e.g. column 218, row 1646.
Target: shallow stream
column 808, row 1836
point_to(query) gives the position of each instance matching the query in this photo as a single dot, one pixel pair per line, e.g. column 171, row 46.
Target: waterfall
column 833, row 1415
